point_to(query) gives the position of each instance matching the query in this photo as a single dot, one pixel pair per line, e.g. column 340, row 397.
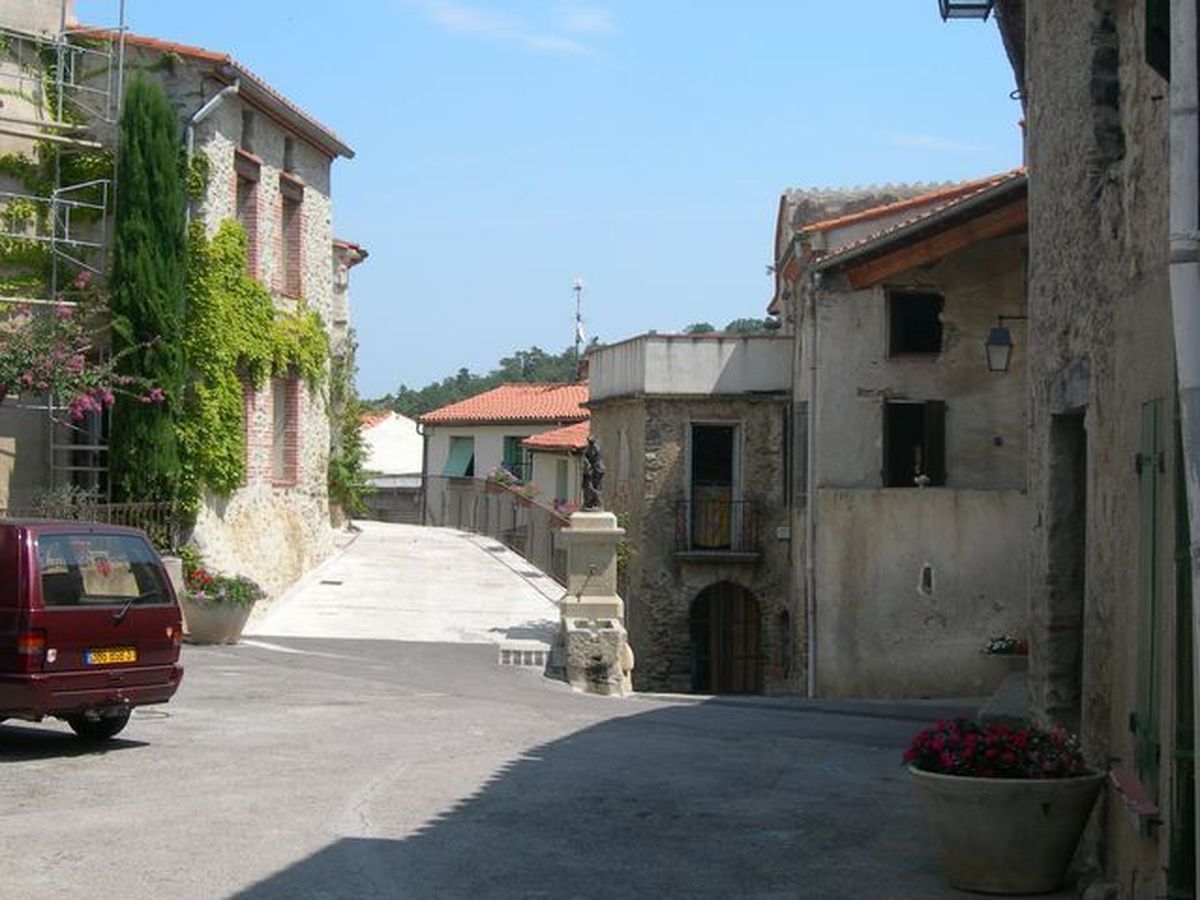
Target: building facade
column 694, row 432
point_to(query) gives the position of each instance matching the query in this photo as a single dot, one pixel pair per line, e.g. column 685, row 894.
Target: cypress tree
column 147, row 286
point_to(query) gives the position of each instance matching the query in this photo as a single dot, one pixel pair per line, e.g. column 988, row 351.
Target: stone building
column 1109, row 577
column 268, row 167
column 915, row 452
column 694, row 431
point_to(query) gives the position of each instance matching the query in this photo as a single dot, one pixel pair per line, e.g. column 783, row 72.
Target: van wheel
column 98, row 729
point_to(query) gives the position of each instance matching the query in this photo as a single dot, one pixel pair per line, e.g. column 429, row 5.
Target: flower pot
column 1006, row 835
column 209, row 622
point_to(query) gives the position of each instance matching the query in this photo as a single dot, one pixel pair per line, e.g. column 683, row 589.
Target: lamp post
column 999, row 345
column 965, row 9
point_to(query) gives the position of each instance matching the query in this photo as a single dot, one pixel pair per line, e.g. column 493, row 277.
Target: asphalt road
column 319, row 767
column 359, row 769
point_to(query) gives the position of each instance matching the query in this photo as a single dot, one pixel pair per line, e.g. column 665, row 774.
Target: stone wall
column 1101, row 347
column 659, row 587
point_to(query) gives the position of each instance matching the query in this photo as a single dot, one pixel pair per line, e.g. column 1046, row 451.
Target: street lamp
column 965, row 9
column 999, row 345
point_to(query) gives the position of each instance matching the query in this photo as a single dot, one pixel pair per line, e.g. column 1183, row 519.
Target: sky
column 505, row 148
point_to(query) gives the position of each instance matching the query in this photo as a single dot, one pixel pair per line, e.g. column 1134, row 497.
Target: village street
column 326, row 765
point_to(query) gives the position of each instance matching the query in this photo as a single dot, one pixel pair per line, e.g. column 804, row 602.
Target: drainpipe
column 1185, row 282
column 424, row 474
column 199, row 116
column 810, row 515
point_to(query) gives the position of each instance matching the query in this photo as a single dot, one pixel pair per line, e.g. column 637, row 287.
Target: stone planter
column 1006, row 835
column 208, row 622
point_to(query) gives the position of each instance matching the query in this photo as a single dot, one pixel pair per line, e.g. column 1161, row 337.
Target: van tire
column 98, row 729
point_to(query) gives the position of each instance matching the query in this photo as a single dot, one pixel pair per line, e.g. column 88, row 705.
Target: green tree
column 147, row 286
column 746, row 326
column 347, row 449
column 699, row 328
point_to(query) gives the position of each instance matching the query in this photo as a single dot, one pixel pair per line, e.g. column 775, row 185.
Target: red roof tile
column 374, row 417
column 573, row 437
column 889, row 209
column 943, row 204
column 518, row 402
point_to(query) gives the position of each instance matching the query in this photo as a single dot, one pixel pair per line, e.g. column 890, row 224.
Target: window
column 291, row 235
column 289, row 155
column 1158, row 36
column 914, row 322
column 914, row 444
column 98, row 569
column 713, row 508
column 460, row 463
column 247, row 216
column 560, row 481
column 247, row 142
column 513, row 456
column 285, row 432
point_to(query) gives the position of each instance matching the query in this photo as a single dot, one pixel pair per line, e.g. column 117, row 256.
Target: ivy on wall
column 233, row 334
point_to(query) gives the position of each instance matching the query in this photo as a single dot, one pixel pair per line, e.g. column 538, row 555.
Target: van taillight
column 175, row 634
column 30, row 649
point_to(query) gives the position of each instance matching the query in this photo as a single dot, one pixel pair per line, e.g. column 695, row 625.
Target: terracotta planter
column 1006, row 835
column 208, row 622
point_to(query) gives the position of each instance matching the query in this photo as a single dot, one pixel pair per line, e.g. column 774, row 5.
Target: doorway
column 726, row 641
column 1066, row 537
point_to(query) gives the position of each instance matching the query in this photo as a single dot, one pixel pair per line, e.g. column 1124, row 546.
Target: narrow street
column 330, row 767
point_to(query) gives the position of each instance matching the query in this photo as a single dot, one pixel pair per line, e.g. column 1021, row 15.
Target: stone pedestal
column 597, row 656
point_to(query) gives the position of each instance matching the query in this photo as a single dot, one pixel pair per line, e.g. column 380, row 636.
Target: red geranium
column 964, row 747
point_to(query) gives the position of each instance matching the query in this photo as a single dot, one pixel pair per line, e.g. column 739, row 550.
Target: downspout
column 199, row 116
column 1185, row 284
column 810, row 515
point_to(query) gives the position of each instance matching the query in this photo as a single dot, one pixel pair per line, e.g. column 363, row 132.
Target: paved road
column 409, row 583
column 293, row 768
column 363, row 769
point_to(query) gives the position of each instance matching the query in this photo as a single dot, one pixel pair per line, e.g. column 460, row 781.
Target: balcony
column 718, row 529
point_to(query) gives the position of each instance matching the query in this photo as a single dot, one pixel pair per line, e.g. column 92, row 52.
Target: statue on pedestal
column 593, row 474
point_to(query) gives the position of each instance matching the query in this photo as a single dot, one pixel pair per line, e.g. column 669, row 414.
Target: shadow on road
column 686, row 801
column 24, row 743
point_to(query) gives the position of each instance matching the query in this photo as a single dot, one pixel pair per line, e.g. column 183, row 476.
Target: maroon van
column 89, row 625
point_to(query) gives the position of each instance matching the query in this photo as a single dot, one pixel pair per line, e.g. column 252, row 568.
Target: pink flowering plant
column 53, row 350
column 965, row 747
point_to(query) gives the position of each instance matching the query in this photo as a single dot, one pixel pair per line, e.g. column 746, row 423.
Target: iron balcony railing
column 717, row 524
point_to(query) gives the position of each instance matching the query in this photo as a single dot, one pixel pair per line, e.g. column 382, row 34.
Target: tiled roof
column 573, row 437
column 374, row 417
column 888, row 209
column 325, row 135
column 942, row 203
column 517, row 402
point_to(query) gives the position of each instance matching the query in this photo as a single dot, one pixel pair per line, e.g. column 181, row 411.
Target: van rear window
column 99, row 570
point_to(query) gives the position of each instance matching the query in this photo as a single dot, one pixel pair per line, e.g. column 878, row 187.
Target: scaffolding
column 69, row 81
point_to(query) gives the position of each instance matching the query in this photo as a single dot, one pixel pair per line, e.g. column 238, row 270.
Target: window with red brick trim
column 249, row 432
column 291, row 235
column 285, row 430
column 247, row 168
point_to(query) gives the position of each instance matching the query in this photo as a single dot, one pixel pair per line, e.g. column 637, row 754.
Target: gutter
column 190, row 130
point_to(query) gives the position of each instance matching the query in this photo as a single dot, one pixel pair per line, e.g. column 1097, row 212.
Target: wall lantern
column 965, row 9
column 999, row 345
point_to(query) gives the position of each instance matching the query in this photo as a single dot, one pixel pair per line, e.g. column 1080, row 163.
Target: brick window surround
column 247, row 174
column 291, row 235
column 285, row 430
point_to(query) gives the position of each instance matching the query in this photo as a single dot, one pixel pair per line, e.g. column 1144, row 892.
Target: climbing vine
column 234, row 334
column 347, row 478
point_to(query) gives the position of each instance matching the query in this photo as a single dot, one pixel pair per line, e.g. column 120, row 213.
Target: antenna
column 577, row 287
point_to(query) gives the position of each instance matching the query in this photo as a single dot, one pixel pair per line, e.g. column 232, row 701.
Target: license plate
column 106, row 656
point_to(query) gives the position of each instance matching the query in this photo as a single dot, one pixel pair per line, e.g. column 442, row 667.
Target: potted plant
column 1006, row 805
column 215, row 606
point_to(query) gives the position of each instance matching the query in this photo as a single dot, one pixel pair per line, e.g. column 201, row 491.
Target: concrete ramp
column 412, row 583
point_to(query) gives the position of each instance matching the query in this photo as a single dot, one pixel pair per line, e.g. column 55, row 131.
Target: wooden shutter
column 935, row 441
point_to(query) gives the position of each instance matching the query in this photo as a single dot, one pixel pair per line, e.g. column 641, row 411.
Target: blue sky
column 506, row 148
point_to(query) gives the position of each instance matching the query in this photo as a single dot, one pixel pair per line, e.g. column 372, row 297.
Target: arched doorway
column 726, row 632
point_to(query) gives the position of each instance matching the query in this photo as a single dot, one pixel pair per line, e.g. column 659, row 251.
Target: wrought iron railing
column 717, row 524
column 160, row 521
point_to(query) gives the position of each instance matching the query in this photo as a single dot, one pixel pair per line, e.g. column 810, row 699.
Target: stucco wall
column 1101, row 344
column 659, row 587
column 986, row 418
column 24, row 456
column 544, row 476
column 883, row 631
column 394, row 446
column 489, row 444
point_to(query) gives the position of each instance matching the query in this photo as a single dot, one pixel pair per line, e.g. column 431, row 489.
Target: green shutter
column 1182, row 869
column 461, row 461
column 1146, row 718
